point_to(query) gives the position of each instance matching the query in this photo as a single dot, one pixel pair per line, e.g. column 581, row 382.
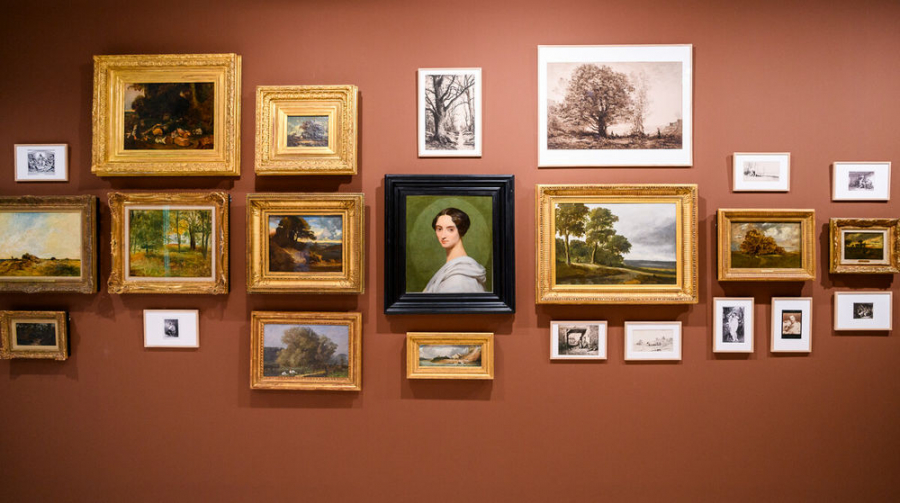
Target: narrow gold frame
column 683, row 292
column 112, row 73
column 119, row 202
column 416, row 339
column 807, row 221
column 351, row 207
column 353, row 381
column 891, row 228
column 8, row 318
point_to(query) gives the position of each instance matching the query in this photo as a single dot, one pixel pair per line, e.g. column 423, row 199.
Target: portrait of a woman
column 460, row 272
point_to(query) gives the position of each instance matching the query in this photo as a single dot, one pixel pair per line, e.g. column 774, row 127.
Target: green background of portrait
column 424, row 255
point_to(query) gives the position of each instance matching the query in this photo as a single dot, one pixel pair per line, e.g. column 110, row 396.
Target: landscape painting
column 306, row 243
column 775, row 245
column 307, row 131
column 45, row 244
column 306, row 350
column 761, row 171
column 578, row 339
column 864, row 246
column 169, row 115
column 439, row 355
column 35, row 335
column 652, row 340
column 170, row 242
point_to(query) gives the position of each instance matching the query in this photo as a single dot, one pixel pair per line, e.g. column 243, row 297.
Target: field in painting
column 299, row 350
column 766, row 245
column 40, row 244
column 863, row 246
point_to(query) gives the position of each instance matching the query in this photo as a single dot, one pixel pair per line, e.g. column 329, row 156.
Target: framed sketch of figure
column 449, row 244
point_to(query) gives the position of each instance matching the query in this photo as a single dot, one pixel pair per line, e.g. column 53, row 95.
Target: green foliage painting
column 307, row 243
column 306, row 350
column 170, row 243
column 169, row 116
column 765, row 245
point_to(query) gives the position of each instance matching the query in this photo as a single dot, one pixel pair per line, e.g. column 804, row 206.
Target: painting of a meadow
column 170, row 243
column 864, row 245
column 306, row 243
column 306, row 350
column 766, row 245
column 43, row 244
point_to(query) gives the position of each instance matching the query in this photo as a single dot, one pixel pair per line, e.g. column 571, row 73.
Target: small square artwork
column 42, row 163
column 733, row 325
column 578, row 340
column 863, row 311
column 861, row 181
column 791, row 325
column 179, row 328
column 761, row 172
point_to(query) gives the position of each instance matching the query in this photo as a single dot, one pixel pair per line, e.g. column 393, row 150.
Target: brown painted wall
column 117, row 422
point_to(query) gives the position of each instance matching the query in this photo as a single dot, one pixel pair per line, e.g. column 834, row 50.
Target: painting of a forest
column 766, row 245
column 864, row 245
column 450, row 110
column 300, row 350
column 170, row 243
column 307, row 131
column 35, row 334
column 306, row 243
column 169, row 116
column 40, row 244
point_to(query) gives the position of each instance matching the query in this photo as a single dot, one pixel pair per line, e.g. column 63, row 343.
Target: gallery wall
column 118, row 422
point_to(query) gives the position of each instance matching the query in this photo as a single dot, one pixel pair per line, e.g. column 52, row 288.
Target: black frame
column 501, row 188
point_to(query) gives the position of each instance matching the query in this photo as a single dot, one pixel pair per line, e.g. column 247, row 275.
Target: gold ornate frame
column 351, row 208
column 416, row 339
column 353, row 381
column 807, row 221
column 119, row 203
column 891, row 229
column 685, row 289
column 7, row 334
column 111, row 76
column 87, row 207
column 273, row 106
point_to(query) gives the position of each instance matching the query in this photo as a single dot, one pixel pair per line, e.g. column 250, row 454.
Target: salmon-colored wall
column 117, row 422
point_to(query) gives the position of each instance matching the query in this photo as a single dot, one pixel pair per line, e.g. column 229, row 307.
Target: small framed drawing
column 766, row 245
column 652, row 340
column 732, row 324
column 49, row 244
column 171, row 328
column 449, row 112
column 762, row 172
column 306, row 351
column 449, row 244
column 306, row 130
column 169, row 242
column 578, row 340
column 34, row 334
column 432, row 355
column 616, row 244
column 167, row 115
column 865, row 245
column 861, row 181
column 863, row 311
column 791, row 325
column 311, row 243
column 615, row 105
column 42, row 163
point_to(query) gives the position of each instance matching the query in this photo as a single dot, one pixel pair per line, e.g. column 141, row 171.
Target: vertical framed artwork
column 42, row 163
column 171, row 328
column 578, row 340
column 766, row 245
column 652, row 340
column 732, row 325
column 861, row 181
column 431, row 355
column 34, row 335
column 791, row 325
column 762, row 172
column 863, row 311
column 449, row 112
column 865, row 245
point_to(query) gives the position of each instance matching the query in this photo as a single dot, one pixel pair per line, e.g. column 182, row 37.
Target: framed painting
column 652, row 340
column 732, row 324
column 167, row 115
column 578, row 340
column 615, row 105
column 861, row 181
column 449, row 112
column 34, row 334
column 766, row 245
column 171, row 328
column 306, row 351
column 791, row 325
column 449, row 244
column 42, row 163
column 308, row 243
column 306, row 130
column 49, row 244
column 431, row 355
column 762, row 172
column 169, row 242
column 863, row 310
column 616, row 244
column 865, row 245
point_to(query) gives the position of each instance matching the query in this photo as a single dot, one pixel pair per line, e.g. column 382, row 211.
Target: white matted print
column 861, row 181
column 449, row 112
column 578, row 340
column 652, row 340
column 42, row 163
column 733, row 325
column 863, row 310
column 615, row 105
column 791, row 325
column 175, row 328
column 762, row 172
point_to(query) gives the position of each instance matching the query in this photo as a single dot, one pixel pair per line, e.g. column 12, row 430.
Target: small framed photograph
column 733, row 325
column 762, row 172
column 449, row 112
column 431, row 355
column 865, row 245
column 863, row 311
column 42, row 163
column 652, row 340
column 791, row 325
column 578, row 340
column 766, row 245
column 861, row 181
column 34, row 335
column 171, row 328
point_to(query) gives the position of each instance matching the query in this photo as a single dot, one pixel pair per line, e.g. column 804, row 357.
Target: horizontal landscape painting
column 652, row 341
column 766, row 245
column 35, row 334
column 42, row 244
column 170, row 243
column 438, row 355
column 864, row 246
column 306, row 243
column 169, row 116
column 307, row 131
column 301, row 350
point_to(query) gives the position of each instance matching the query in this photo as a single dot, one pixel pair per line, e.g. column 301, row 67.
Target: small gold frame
column 274, row 104
column 415, row 340
column 890, row 230
column 807, row 221
column 9, row 348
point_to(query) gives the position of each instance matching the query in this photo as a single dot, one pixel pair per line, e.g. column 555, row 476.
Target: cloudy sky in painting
column 786, row 234
column 430, row 351
column 649, row 227
column 326, row 228
column 43, row 235
column 338, row 334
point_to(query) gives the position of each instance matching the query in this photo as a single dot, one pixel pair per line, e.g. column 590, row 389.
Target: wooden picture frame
column 622, row 216
column 766, row 245
column 863, row 311
column 285, row 234
column 761, row 172
column 167, row 115
column 34, row 335
column 435, row 355
column 652, row 341
column 861, row 181
column 306, row 130
column 791, row 325
column 578, row 340
column 172, row 328
column 733, row 324
column 864, row 245
column 45, row 162
column 445, row 93
column 170, row 243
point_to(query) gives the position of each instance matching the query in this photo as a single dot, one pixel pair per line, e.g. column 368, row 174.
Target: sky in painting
column 326, row 228
column 649, row 227
column 430, row 351
column 786, row 234
column 43, row 235
column 338, row 334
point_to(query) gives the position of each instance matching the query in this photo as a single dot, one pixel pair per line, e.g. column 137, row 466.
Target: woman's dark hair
column 459, row 218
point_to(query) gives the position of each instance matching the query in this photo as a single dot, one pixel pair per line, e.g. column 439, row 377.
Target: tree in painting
column 450, row 112
column 596, row 98
column 757, row 243
column 294, row 245
column 170, row 243
column 765, row 244
column 570, row 222
column 306, row 351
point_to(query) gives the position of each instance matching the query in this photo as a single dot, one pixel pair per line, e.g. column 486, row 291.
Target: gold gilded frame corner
column 416, row 339
column 891, row 228
column 807, row 221
column 8, row 318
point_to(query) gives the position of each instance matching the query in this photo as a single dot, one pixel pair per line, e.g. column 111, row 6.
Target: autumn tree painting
column 170, row 243
column 766, row 245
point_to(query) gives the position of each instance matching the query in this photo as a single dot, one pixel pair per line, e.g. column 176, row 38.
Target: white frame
column 601, row 340
column 617, row 53
column 719, row 345
column 153, row 327
column 804, row 343
column 423, row 152
column 61, row 162
column 843, row 311
column 784, row 172
column 674, row 355
column 841, row 178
